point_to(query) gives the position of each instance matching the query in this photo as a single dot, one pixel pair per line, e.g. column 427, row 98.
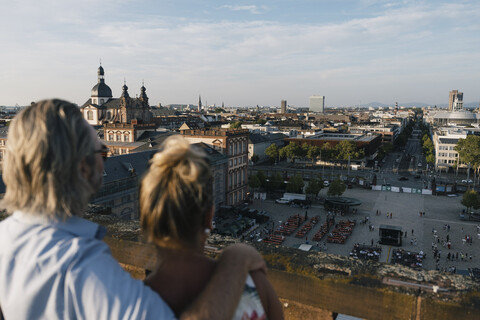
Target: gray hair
column 41, row 170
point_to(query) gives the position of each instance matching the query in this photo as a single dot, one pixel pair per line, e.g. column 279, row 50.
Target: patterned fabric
column 250, row 307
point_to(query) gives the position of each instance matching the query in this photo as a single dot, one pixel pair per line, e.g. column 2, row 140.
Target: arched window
column 89, row 115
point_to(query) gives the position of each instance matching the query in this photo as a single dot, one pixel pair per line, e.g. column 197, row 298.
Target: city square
column 423, row 231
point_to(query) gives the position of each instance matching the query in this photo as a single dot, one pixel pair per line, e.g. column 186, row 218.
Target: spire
column 125, row 90
column 199, row 103
column 143, row 93
column 101, row 74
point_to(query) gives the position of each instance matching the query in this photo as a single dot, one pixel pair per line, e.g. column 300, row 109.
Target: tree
column 276, row 182
column 314, row 186
column 254, row 182
column 272, row 152
column 261, row 177
column 327, row 151
column 348, row 149
column 313, row 153
column 295, row 185
column 261, row 121
column 337, row 188
column 469, row 151
column 290, row 151
column 236, row 125
column 430, row 158
column 471, row 200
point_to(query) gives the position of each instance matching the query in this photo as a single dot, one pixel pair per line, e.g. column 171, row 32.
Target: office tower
column 317, row 103
column 284, row 107
column 455, row 101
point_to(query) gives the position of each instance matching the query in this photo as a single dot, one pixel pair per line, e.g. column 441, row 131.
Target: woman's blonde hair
column 46, row 142
column 176, row 194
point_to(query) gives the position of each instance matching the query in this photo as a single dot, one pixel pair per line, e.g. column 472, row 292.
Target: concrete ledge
column 323, row 284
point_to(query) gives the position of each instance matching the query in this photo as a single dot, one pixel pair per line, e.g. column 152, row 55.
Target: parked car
column 419, row 164
column 326, row 183
column 467, row 181
column 282, row 201
column 403, row 179
column 417, row 176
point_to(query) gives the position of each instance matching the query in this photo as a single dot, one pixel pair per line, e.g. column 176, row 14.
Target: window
column 231, row 149
column 125, row 138
column 230, row 162
column 102, row 101
column 110, row 137
column 119, row 137
column 236, row 148
column 235, row 161
column 90, row 115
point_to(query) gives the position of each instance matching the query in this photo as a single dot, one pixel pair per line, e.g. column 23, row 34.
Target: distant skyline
column 242, row 53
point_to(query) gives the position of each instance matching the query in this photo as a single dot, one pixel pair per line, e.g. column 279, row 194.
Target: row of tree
column 428, row 149
column 402, row 138
column 342, row 151
column 295, row 185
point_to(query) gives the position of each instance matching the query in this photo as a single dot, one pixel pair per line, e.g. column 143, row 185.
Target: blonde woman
column 176, row 211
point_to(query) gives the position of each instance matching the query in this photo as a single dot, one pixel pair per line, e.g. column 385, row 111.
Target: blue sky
column 241, row 52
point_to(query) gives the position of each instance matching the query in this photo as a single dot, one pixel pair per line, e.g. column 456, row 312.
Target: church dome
column 101, row 89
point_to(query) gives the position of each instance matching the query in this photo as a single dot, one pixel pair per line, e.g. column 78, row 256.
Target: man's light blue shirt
column 63, row 270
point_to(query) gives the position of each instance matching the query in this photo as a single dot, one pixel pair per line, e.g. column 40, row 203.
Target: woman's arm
column 268, row 296
column 220, row 297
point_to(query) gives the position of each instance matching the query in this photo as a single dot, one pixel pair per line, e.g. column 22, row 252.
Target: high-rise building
column 283, row 108
column 317, row 103
column 455, row 101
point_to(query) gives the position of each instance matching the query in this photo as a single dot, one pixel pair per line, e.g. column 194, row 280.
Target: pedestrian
column 412, row 232
column 372, row 242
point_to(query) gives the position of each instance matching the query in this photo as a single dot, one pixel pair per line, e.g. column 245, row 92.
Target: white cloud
column 249, row 62
column 253, row 9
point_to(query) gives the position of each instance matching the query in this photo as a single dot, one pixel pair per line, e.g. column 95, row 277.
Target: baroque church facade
column 102, row 108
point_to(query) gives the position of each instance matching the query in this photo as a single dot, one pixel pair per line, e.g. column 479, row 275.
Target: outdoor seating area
column 365, row 252
column 343, row 229
column 407, row 258
column 292, row 224
column 274, row 239
column 304, row 230
column 324, row 228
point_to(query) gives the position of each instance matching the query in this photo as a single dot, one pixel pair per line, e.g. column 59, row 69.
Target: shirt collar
column 74, row 225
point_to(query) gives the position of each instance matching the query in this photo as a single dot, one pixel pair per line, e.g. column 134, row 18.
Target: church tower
column 101, row 93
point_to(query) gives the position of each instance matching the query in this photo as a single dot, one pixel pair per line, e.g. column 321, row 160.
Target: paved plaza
column 405, row 208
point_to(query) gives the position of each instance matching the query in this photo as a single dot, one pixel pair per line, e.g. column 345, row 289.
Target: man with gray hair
column 53, row 264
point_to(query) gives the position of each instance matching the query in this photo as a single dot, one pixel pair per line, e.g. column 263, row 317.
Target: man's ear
column 85, row 169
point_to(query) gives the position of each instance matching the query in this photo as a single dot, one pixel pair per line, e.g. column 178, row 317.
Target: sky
column 242, row 53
